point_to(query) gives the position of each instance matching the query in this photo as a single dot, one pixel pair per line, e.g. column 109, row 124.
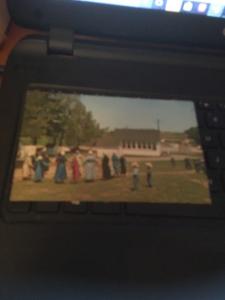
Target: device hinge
column 60, row 41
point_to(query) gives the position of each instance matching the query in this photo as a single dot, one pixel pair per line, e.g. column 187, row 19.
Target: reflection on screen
column 213, row 8
column 76, row 147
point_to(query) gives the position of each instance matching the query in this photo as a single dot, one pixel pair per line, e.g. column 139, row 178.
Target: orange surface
column 15, row 34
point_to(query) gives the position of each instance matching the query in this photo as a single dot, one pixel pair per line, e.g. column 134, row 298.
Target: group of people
column 35, row 166
column 74, row 165
column 196, row 164
column 114, row 168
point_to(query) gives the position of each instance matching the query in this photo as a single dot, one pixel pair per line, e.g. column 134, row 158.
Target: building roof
column 118, row 136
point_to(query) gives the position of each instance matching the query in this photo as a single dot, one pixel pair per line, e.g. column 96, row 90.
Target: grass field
column 170, row 185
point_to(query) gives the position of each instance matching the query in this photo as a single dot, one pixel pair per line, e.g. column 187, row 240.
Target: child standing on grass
column 135, row 176
column 149, row 174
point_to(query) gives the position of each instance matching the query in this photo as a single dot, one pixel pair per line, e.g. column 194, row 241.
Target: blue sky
column 121, row 112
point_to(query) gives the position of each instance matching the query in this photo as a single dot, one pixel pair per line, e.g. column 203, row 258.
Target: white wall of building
column 128, row 152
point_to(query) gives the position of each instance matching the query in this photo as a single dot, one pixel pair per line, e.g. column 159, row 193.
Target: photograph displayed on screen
column 82, row 148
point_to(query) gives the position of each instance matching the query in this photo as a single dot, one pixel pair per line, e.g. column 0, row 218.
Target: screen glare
column 211, row 8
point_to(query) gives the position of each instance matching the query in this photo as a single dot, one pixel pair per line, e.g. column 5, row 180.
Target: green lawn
column 170, row 185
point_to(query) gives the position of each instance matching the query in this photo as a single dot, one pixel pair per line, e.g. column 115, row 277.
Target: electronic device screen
column 78, row 147
column 212, row 8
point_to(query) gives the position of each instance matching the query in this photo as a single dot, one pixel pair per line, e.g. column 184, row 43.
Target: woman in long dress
column 60, row 174
column 75, row 169
column 38, row 168
column 46, row 163
column 90, row 167
column 149, row 174
column 80, row 160
column 106, row 172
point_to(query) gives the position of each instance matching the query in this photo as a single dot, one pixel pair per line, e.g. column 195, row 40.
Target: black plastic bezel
column 110, row 69
column 113, row 21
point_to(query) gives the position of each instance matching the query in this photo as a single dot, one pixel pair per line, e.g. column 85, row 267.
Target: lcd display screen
column 78, row 147
column 213, row 8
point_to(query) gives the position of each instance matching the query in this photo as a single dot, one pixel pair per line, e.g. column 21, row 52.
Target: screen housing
column 93, row 68
column 131, row 23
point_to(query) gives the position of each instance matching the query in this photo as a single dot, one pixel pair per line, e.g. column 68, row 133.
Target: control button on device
column 137, row 209
column 222, row 138
column 207, row 105
column 188, row 6
column 221, row 106
column 143, row 209
column 46, row 207
column 215, row 10
column 106, row 208
column 159, row 4
column 202, row 7
column 214, row 120
column 209, row 139
column 215, row 159
column 214, row 182
column 75, row 208
column 20, row 207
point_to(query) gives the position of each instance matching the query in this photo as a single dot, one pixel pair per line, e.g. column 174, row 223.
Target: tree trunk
column 34, row 140
column 54, row 140
column 61, row 138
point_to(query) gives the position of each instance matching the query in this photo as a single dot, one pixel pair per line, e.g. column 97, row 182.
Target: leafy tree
column 35, row 118
column 193, row 134
column 62, row 118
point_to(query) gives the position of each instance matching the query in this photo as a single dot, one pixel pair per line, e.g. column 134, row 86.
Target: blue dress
column 38, row 170
column 60, row 174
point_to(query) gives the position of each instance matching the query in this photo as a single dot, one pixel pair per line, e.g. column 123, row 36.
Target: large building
column 129, row 142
